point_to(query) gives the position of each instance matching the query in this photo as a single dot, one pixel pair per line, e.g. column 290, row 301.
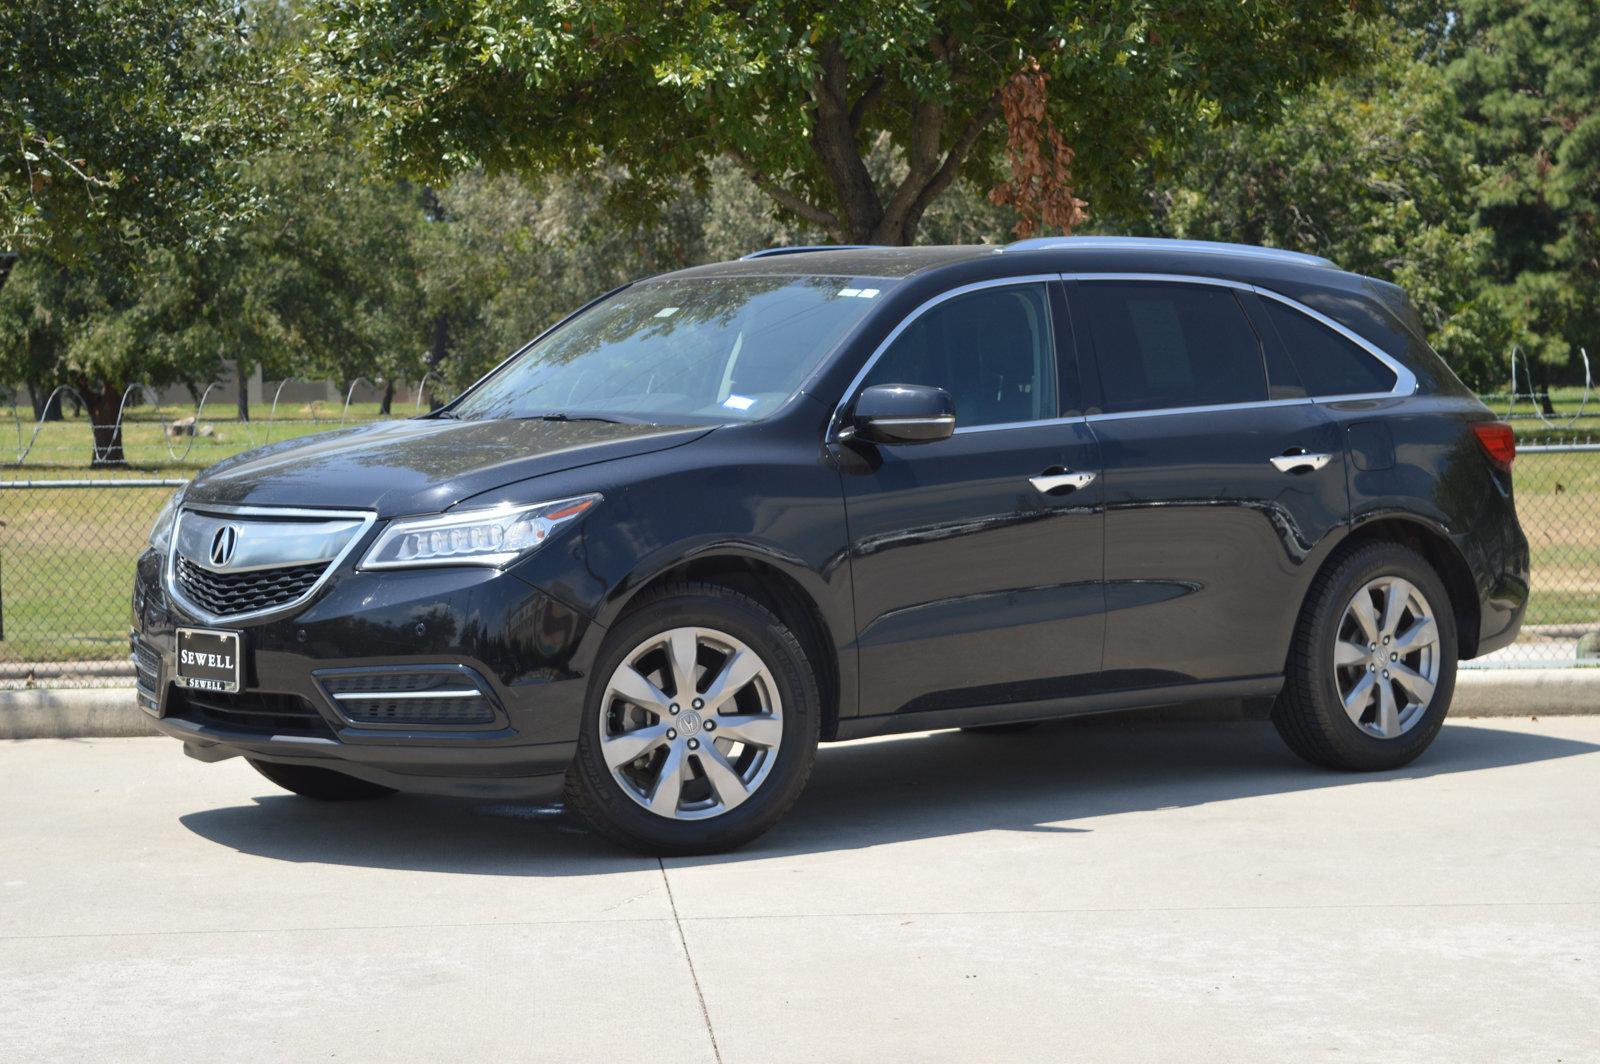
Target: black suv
column 715, row 517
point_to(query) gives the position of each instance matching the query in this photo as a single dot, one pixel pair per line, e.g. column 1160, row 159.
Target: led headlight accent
column 495, row 537
column 161, row 530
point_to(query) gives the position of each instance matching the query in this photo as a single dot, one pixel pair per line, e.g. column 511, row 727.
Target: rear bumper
column 1503, row 582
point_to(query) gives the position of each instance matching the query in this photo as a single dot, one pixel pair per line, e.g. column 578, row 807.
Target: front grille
column 227, row 594
column 146, row 665
column 264, row 712
column 421, row 697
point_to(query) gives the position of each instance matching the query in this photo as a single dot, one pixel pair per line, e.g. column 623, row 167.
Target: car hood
column 421, row 466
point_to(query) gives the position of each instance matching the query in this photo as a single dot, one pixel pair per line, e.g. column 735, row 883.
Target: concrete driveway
column 1179, row 892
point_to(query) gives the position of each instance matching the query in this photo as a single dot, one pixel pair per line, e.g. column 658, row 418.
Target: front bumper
column 528, row 651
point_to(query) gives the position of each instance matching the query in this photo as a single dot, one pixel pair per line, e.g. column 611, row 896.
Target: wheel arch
column 779, row 592
column 1439, row 551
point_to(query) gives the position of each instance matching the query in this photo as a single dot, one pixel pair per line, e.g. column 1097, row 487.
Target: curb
column 72, row 713
column 111, row 711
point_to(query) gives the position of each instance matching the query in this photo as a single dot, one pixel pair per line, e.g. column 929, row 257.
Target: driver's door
column 973, row 585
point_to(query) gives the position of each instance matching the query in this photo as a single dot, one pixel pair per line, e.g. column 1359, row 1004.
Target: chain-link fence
column 67, row 549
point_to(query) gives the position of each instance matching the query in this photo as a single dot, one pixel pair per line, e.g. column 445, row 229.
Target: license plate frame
column 210, row 659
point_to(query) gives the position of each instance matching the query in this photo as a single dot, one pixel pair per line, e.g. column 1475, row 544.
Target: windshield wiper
column 558, row 416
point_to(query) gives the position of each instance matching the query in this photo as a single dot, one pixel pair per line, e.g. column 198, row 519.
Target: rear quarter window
column 1329, row 364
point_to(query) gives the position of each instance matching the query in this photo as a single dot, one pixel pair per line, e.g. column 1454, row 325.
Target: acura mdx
column 719, row 516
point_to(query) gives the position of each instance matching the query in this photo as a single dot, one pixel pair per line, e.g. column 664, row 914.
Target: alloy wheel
column 691, row 723
column 1386, row 657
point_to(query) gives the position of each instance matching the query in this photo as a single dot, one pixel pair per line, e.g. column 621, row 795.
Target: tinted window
column 990, row 349
column 1328, row 363
column 1171, row 345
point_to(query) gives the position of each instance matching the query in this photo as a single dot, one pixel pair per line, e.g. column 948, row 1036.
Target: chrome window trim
column 835, row 423
column 169, row 574
column 1405, row 381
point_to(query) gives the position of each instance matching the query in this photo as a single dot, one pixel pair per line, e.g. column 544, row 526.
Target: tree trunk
column 438, row 351
column 38, row 393
column 102, row 402
column 241, row 373
column 387, row 401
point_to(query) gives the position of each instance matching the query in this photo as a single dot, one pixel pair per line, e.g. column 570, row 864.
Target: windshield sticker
column 858, row 293
column 666, row 312
column 739, row 402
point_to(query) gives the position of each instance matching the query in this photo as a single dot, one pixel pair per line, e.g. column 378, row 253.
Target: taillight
column 1498, row 442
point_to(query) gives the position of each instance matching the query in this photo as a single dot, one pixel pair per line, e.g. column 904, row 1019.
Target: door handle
column 1061, row 481
column 1299, row 460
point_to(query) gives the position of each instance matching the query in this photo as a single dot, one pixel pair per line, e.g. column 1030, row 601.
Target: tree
column 1528, row 79
column 113, row 134
column 1373, row 170
column 121, row 123
column 98, row 329
column 797, row 94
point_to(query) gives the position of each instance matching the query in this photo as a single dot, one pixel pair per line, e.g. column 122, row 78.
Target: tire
column 1009, row 728
column 323, row 784
column 1310, row 711
column 704, row 811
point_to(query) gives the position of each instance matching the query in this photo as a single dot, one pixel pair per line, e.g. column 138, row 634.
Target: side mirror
column 903, row 413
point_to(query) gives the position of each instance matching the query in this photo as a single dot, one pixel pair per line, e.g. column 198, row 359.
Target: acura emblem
column 222, row 545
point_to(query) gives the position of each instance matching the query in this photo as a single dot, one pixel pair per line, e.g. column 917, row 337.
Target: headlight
column 161, row 531
column 496, row 536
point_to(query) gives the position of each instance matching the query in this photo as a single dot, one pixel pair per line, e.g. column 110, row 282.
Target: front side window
column 991, row 349
column 1163, row 345
column 715, row 349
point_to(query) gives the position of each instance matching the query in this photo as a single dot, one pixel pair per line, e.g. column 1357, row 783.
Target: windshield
column 707, row 349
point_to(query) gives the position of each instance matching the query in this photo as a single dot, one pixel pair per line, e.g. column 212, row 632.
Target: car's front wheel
column 701, row 724
column 1373, row 663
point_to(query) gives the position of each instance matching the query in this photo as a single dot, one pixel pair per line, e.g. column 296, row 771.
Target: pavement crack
column 705, row 1013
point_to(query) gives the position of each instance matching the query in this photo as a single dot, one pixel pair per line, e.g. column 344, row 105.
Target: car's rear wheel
column 323, row 784
column 701, row 724
column 1373, row 663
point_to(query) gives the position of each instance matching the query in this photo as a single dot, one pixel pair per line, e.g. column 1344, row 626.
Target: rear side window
column 990, row 349
column 1160, row 345
column 1329, row 364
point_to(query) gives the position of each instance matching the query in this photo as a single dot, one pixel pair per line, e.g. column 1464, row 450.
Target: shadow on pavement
column 863, row 794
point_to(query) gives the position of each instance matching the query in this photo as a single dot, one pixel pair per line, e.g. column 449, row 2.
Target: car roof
column 1090, row 254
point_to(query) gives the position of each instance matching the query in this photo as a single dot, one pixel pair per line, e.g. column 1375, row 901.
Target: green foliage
column 797, row 94
column 1373, row 170
column 118, row 120
column 1528, row 80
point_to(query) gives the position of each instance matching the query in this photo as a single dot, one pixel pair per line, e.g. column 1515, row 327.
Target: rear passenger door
column 1220, row 479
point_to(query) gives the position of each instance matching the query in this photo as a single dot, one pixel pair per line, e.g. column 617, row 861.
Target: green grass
column 65, row 448
column 1574, row 418
column 66, row 569
column 1558, row 501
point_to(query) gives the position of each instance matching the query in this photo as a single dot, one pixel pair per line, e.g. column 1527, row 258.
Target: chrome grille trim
column 146, row 667
column 358, row 523
column 424, row 696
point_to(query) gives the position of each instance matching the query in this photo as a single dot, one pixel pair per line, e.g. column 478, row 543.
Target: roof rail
column 1149, row 243
column 767, row 253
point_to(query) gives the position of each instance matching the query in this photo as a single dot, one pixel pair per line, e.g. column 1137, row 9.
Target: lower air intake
column 436, row 698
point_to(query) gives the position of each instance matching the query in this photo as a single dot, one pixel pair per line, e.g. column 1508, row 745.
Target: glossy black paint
column 903, row 413
column 931, row 583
